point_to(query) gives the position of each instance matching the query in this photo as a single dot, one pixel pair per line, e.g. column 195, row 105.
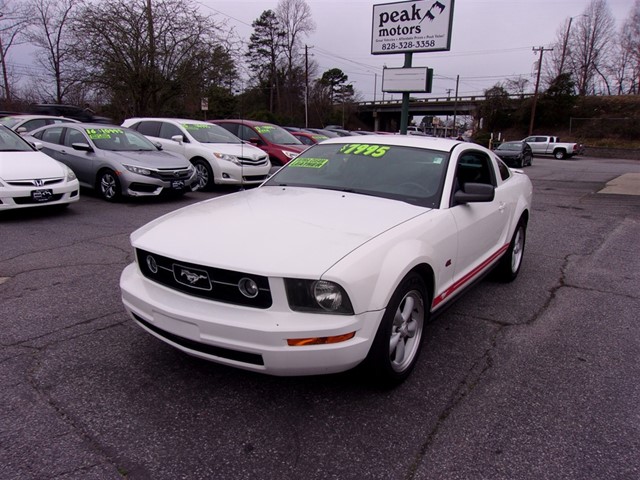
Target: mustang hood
column 277, row 231
column 29, row 165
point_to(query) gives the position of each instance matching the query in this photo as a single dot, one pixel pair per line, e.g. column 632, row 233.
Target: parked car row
column 152, row 156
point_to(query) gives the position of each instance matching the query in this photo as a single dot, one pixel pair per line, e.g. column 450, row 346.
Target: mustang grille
column 203, row 281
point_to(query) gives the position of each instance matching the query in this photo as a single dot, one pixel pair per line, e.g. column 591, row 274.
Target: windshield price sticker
column 98, row 133
column 264, row 128
column 375, row 151
column 196, row 126
column 309, row 162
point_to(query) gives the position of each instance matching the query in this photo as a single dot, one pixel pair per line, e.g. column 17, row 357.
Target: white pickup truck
column 548, row 145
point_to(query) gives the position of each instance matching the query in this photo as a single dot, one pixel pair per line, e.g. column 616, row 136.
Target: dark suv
column 70, row 111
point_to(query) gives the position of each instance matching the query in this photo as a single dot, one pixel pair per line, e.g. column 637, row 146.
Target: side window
column 305, row 140
column 168, row 130
column 474, row 167
column 33, row 124
column 151, row 129
column 52, row 135
column 74, row 136
column 245, row 133
column 504, row 170
column 231, row 127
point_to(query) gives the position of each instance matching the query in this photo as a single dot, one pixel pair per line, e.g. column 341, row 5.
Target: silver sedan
column 116, row 161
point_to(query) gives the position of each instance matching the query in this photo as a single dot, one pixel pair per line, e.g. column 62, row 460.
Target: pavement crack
column 25, row 343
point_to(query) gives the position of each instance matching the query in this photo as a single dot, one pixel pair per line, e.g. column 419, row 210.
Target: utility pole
column 535, row 93
column 455, row 106
column 5, row 77
column 306, row 86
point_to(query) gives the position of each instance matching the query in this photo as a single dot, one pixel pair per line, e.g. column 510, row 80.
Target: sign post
column 204, row 106
column 408, row 27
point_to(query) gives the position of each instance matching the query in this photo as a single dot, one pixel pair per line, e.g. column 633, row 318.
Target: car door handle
column 501, row 207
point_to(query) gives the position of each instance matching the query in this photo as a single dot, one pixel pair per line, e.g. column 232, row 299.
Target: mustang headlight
column 317, row 296
column 227, row 157
column 138, row 170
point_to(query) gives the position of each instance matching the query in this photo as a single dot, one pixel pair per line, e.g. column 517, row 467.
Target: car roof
column 29, row 116
column 432, row 143
column 163, row 119
column 251, row 123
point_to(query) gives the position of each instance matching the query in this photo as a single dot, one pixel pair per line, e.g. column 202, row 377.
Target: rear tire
column 560, row 154
column 398, row 341
column 509, row 265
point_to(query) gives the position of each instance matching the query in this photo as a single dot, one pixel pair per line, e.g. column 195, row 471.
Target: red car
column 276, row 141
column 309, row 138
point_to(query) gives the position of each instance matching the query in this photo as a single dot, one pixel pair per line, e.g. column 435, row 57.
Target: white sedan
column 337, row 260
column 29, row 178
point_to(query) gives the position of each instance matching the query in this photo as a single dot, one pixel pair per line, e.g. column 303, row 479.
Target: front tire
column 109, row 186
column 509, row 266
column 398, row 341
column 205, row 174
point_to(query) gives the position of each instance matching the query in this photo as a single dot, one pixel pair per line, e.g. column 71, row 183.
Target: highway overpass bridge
column 385, row 115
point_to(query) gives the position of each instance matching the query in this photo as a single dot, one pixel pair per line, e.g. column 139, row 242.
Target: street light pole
column 566, row 41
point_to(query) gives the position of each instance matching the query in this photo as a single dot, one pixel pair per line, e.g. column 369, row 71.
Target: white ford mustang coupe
column 337, row 260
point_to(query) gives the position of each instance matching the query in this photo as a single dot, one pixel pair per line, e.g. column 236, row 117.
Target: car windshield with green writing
column 210, row 133
column 409, row 174
column 119, row 140
column 277, row 135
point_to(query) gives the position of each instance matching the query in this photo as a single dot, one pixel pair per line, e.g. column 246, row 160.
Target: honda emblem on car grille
column 191, row 277
column 38, row 183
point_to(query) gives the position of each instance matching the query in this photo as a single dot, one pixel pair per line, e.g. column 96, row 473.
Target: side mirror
column 21, row 130
column 158, row 145
column 255, row 141
column 474, row 192
column 178, row 138
column 83, row 147
column 37, row 145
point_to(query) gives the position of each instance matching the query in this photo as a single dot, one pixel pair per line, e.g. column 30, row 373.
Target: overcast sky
column 491, row 39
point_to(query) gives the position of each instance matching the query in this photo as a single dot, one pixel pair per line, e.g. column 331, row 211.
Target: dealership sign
column 415, row 26
column 397, row 80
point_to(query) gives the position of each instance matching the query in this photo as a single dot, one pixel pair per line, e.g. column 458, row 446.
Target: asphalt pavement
column 537, row 379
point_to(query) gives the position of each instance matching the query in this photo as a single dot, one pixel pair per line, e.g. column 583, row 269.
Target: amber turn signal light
column 301, row 342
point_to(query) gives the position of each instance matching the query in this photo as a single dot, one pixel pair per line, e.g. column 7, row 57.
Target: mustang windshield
column 412, row 175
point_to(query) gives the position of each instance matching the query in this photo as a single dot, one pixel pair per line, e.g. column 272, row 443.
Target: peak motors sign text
column 412, row 27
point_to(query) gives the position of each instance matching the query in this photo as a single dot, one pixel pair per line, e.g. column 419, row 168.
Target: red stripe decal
column 468, row 277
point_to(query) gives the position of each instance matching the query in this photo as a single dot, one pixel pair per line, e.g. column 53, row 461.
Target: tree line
column 161, row 57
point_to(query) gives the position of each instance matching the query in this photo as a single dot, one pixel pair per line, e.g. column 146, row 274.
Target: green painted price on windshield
column 375, row 151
